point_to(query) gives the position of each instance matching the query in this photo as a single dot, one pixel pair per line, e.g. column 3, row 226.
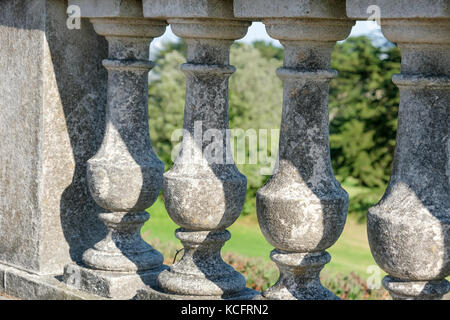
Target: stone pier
column 52, row 102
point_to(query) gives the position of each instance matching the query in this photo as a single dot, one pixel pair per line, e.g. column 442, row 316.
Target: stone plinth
column 107, row 284
column 20, row 284
column 52, row 100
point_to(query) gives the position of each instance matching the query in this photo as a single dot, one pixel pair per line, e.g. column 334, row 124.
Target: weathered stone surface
column 203, row 192
column 199, row 195
column 262, row 9
column 416, row 290
column 108, row 284
column 299, row 276
column 357, row 9
column 314, row 223
column 52, row 102
column 24, row 285
column 302, row 209
column 155, row 293
column 52, row 122
column 109, row 8
column 125, row 175
column 202, row 197
column 202, row 270
column 188, row 9
column 409, row 229
column 126, row 154
column 2, row 281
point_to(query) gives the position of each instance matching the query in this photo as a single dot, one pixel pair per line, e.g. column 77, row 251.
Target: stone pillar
column 203, row 192
column 409, row 229
column 52, row 102
column 125, row 176
column 302, row 209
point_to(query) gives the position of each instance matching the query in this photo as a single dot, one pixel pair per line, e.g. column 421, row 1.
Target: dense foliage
column 363, row 110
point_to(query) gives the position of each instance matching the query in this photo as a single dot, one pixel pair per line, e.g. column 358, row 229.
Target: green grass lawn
column 351, row 252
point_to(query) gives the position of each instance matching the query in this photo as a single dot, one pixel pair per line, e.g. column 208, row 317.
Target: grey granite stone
column 125, row 175
column 302, row 209
column 108, row 284
column 53, row 121
column 299, row 276
column 2, row 281
column 109, row 8
column 262, row 9
column 409, row 229
column 155, row 293
column 211, row 9
column 357, row 9
column 416, row 290
column 203, row 193
column 52, row 99
column 202, row 271
column 19, row 284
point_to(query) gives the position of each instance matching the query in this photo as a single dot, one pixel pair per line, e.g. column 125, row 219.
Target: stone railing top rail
column 109, row 8
column 286, row 9
column 357, row 9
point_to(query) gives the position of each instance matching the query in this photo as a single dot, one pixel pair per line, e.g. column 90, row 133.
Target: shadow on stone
column 81, row 80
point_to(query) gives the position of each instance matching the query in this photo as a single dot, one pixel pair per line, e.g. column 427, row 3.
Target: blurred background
column 363, row 121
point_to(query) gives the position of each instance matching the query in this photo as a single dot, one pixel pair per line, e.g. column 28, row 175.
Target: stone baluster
column 203, row 192
column 409, row 229
column 125, row 176
column 302, row 209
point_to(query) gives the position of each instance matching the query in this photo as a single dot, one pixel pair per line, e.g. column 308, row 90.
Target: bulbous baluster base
column 416, row 290
column 202, row 271
column 120, row 264
column 299, row 277
column 123, row 249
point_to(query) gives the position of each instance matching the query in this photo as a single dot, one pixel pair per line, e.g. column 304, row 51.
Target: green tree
column 166, row 103
column 269, row 50
column 363, row 111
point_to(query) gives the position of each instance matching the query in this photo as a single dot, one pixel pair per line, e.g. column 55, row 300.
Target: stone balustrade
column 77, row 167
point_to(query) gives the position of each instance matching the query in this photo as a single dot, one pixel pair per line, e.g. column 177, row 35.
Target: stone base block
column 20, row 284
column 155, row 293
column 51, row 122
column 115, row 285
